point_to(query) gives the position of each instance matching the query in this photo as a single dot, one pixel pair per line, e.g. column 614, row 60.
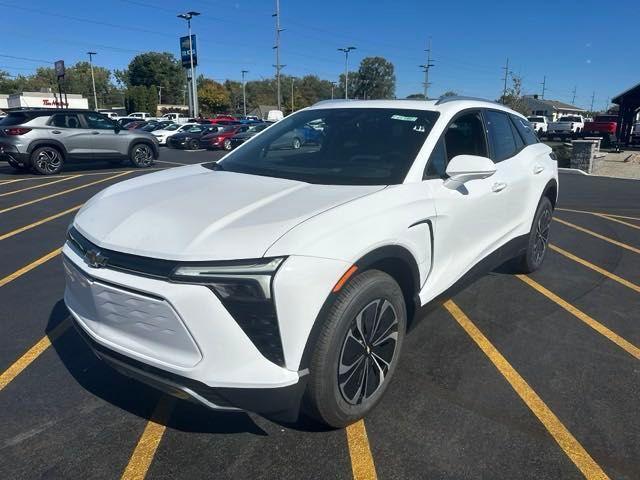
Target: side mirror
column 463, row 168
column 116, row 127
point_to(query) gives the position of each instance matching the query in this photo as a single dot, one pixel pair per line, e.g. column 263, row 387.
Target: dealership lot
column 515, row 377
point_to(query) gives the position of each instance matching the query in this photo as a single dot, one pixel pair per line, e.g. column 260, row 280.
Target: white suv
column 281, row 277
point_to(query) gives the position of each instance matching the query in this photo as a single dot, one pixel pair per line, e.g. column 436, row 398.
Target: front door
column 102, row 136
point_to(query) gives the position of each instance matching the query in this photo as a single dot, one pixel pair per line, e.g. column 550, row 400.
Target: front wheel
column 227, row 144
column 532, row 258
column 357, row 350
column 141, row 155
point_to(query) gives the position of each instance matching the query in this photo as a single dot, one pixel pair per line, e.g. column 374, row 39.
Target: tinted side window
column 519, row 142
column 525, row 130
column 437, row 161
column 500, row 135
column 99, row 122
column 65, row 120
column 16, row 118
column 465, row 136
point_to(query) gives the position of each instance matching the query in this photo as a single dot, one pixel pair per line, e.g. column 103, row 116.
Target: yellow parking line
column 590, row 265
column 145, row 450
column 597, row 213
column 597, row 235
column 38, row 186
column 8, row 209
column 361, row 459
column 572, row 448
column 580, row 315
column 11, row 181
column 30, row 355
column 39, row 222
column 613, row 219
column 27, row 268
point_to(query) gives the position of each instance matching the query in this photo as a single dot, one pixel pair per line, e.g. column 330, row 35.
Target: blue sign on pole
column 185, row 52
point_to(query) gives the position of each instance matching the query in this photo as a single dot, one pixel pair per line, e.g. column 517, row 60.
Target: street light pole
column 346, row 51
column 194, row 93
column 333, row 85
column 244, row 94
column 93, row 80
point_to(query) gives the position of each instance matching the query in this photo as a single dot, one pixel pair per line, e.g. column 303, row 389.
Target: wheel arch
column 551, row 192
column 47, row 143
column 396, row 261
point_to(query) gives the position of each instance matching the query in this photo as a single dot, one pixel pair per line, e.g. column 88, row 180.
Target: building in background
column 552, row 109
column 43, row 100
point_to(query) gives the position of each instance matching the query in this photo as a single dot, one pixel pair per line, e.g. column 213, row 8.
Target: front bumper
column 179, row 337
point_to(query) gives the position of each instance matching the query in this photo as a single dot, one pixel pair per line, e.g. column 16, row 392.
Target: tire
column 227, row 144
column 193, row 145
column 334, row 393
column 141, row 155
column 296, row 143
column 47, row 160
column 537, row 245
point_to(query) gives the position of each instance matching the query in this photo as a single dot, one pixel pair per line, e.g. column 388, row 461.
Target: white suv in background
column 171, row 130
column 279, row 278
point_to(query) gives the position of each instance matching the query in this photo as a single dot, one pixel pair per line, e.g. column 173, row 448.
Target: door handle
column 95, row 133
column 538, row 169
column 498, row 187
column 56, row 131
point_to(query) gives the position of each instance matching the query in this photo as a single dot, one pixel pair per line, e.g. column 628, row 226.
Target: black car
column 190, row 140
column 239, row 138
column 152, row 126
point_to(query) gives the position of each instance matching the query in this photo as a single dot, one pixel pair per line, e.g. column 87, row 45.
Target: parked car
column 124, row 121
column 175, row 117
column 110, row 113
column 275, row 278
column 166, row 132
column 190, row 139
column 239, row 138
column 635, row 133
column 136, row 124
column 141, row 115
column 298, row 137
column 222, row 138
column 567, row 126
column 539, row 124
column 274, row 116
column 152, row 126
column 44, row 139
column 604, row 126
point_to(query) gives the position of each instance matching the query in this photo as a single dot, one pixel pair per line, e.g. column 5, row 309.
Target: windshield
column 536, row 119
column 345, row 146
column 171, row 127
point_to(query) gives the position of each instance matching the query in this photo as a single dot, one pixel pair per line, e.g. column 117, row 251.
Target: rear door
column 67, row 129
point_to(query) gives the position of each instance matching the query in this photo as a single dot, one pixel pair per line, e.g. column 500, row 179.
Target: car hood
column 193, row 213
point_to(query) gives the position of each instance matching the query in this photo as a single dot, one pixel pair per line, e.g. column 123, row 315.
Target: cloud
column 588, row 60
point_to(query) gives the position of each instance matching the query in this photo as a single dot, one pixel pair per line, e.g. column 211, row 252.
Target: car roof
column 448, row 105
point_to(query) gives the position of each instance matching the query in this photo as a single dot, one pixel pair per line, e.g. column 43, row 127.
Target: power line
column 426, row 68
column 544, row 86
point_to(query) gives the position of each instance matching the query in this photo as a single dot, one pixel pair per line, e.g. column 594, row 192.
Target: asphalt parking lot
column 513, row 378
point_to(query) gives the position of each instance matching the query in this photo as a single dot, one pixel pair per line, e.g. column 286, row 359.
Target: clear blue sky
column 591, row 45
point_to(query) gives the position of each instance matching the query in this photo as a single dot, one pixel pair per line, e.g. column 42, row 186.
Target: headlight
column 244, row 289
column 246, row 280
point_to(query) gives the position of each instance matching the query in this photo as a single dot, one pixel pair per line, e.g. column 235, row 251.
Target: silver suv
column 43, row 139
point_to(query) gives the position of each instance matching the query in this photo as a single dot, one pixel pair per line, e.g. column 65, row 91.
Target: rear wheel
column 357, row 350
column 141, row 155
column 532, row 258
column 227, row 144
column 47, row 160
column 296, row 143
column 193, row 144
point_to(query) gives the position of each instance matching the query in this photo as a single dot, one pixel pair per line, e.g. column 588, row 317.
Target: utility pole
column 160, row 95
column 573, row 97
column 194, row 92
column 593, row 97
column 346, row 51
column 506, row 77
column 425, row 68
column 244, row 94
column 292, row 94
column 544, row 86
column 93, row 80
column 277, row 49
column 333, row 85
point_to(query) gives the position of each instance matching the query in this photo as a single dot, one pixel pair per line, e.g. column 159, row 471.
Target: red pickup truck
column 602, row 126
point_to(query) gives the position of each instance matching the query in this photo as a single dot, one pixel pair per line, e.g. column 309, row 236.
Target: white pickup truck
column 175, row 117
column 539, row 124
column 568, row 125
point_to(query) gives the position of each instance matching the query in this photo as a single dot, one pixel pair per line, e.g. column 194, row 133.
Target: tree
column 212, row 97
column 234, row 90
column 415, row 96
column 375, row 78
column 449, row 93
column 353, row 82
column 141, row 99
column 155, row 69
column 512, row 98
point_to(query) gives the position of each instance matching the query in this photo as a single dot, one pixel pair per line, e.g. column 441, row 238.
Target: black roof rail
column 456, row 98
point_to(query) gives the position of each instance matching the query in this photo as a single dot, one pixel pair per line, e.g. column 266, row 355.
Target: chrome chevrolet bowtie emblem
column 95, row 259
